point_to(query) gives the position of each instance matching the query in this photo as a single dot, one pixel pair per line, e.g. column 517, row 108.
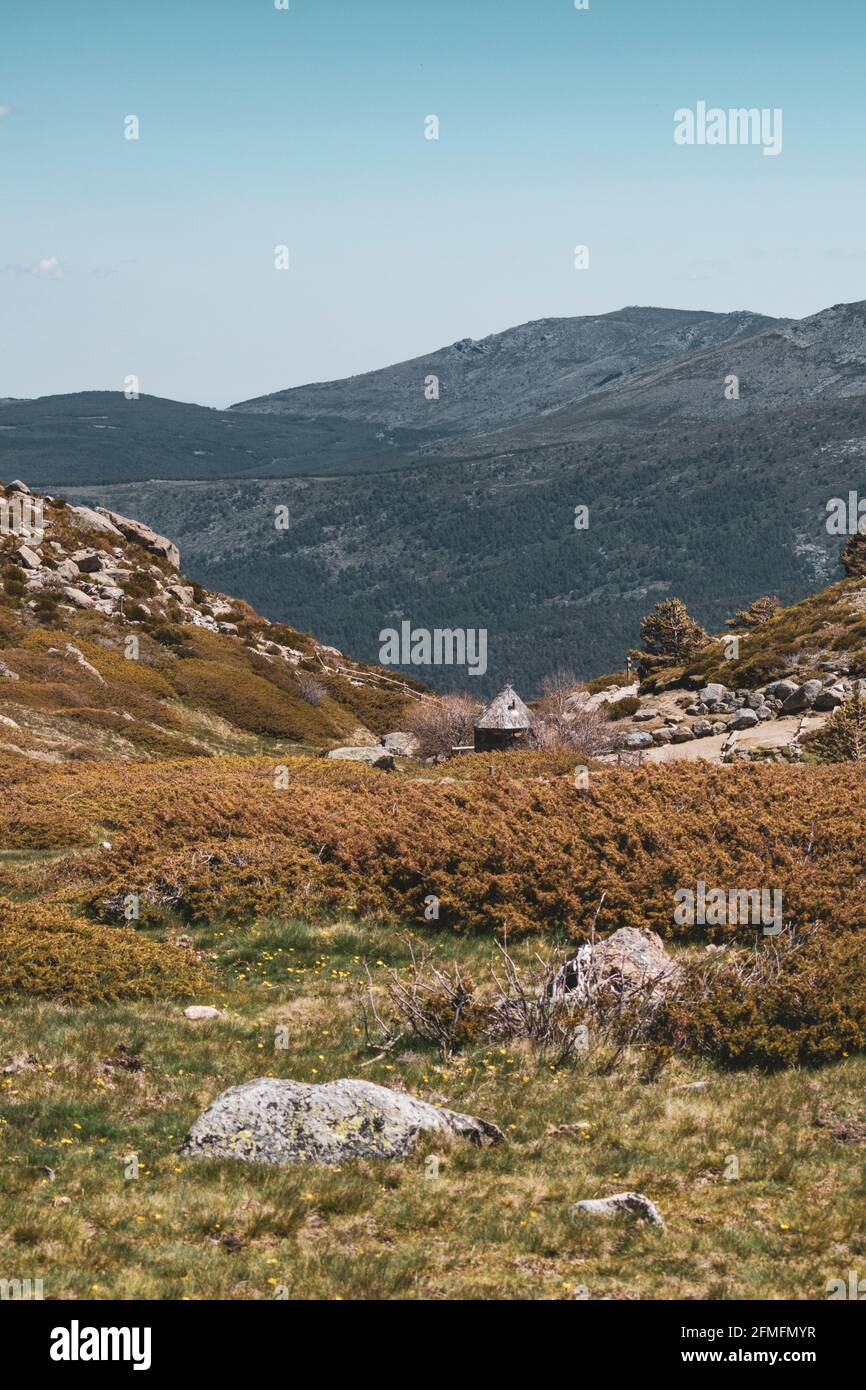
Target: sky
column 305, row 127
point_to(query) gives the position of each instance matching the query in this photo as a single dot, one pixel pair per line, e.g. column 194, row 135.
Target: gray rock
column 781, row 690
column 719, row 727
column 632, row 1203
column 702, row 728
column 284, row 1122
column 404, row 745
column 68, row 570
column 79, row 598
column 28, row 558
column 373, row 757
column 18, row 486
column 89, row 520
column 642, row 715
column 182, row 592
column 803, row 698
column 197, row 1011
column 683, row 735
column 755, row 700
column 713, row 691
column 88, row 561
column 743, row 719
column 144, row 536
column 662, row 736
column 829, row 699
column 639, row 740
column 764, row 712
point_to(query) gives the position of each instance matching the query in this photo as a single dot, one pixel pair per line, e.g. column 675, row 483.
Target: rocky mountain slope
column 459, row 512
column 107, row 651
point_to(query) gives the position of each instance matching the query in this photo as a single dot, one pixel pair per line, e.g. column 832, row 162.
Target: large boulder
column 373, row 757
column 803, row 698
column 89, row 520
column 780, row 690
column 144, row 536
column 743, row 719
column 831, row 698
column 712, row 692
column 639, row 740
column 404, row 745
column 273, row 1121
column 626, row 961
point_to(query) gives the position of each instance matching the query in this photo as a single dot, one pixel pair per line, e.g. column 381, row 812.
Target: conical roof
column 506, row 711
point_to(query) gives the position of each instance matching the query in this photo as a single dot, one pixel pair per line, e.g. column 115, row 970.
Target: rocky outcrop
column 286, row 1122
column 144, row 536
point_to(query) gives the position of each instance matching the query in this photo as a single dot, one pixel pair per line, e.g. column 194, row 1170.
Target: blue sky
column 261, row 127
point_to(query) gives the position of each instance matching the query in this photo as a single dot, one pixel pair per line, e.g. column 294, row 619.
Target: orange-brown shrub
column 217, row 835
column 45, row 950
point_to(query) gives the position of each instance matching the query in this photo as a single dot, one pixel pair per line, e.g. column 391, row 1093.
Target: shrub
column 800, row 1001
column 624, row 708
column 843, row 737
column 46, row 951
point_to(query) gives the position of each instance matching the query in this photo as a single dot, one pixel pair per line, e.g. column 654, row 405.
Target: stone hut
column 505, row 723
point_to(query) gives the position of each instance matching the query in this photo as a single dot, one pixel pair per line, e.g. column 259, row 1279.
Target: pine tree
column 843, row 737
column 760, row 611
column 669, row 635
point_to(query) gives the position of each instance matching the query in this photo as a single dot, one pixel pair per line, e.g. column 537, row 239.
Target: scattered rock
column 18, row 486
column 641, row 739
column 28, row 558
column 781, row 690
column 283, row 1122
column 627, row 960
column 714, row 691
column 79, row 598
column 642, row 715
column 828, row 699
column 633, row 1203
column 743, row 719
column 662, row 736
column 682, row 735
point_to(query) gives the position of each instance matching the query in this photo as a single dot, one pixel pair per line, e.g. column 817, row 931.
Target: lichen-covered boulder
column 274, row 1121
column 629, row 1203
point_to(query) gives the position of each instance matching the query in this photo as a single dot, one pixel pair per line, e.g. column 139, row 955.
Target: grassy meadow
column 93, row 1086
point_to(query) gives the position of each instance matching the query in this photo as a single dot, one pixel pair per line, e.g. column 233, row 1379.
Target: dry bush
column 564, row 1008
column 443, row 723
column 310, row 689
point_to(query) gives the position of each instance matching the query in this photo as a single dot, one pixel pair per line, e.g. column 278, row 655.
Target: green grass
column 114, row 1081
